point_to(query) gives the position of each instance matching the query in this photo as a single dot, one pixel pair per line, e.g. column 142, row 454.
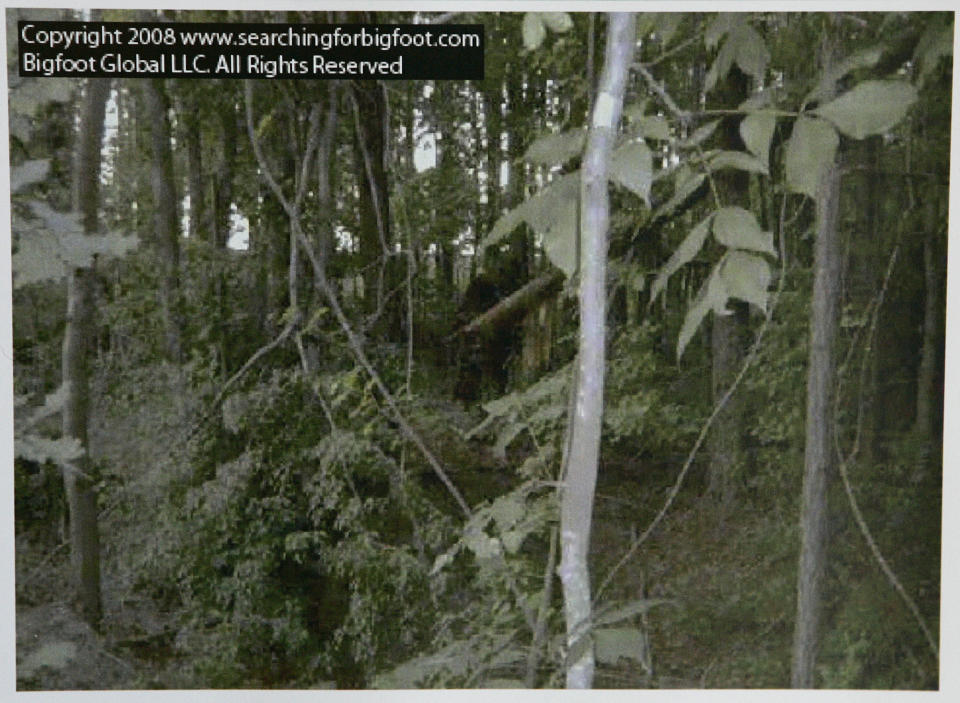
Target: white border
column 950, row 569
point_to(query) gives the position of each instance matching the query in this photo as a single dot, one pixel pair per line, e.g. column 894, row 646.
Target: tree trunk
column 166, row 224
column 374, row 225
column 930, row 351
column 727, row 348
column 78, row 336
column 576, row 510
column 818, row 453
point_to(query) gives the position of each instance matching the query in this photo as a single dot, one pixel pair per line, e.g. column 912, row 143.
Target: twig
column 661, row 93
column 718, row 407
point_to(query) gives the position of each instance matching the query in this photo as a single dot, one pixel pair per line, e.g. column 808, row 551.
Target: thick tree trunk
column 166, row 224
column 77, row 343
column 818, row 453
column 580, row 477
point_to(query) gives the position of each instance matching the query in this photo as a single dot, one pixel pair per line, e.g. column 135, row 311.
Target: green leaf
column 504, row 225
column 653, row 127
column 665, row 25
column 560, row 238
column 756, row 130
column 720, row 66
column 40, row 449
column 701, row 135
column 865, row 58
column 737, row 228
column 872, row 107
column 689, row 248
column 686, row 184
column 612, row 643
column 752, row 55
column 558, row 22
column 28, row 173
column 46, row 252
column 738, row 160
column 631, row 166
column 508, row 510
column 936, row 42
column 556, row 149
column 533, row 31
column 746, row 277
column 712, row 296
column 721, row 25
column 810, row 153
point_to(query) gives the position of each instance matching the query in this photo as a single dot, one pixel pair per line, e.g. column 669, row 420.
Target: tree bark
column 727, row 337
column 818, row 453
column 79, row 482
column 580, row 476
column 166, row 224
column 930, row 351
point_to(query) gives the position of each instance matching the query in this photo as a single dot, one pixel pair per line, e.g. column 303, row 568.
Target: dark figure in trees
column 482, row 357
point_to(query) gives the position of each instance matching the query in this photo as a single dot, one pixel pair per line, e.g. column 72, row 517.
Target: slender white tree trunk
column 576, row 510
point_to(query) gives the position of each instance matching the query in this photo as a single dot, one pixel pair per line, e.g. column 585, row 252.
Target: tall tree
column 78, row 337
column 580, row 475
column 166, row 224
column 818, row 457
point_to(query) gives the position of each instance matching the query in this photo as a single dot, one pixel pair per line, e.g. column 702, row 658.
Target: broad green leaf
column 533, row 31
column 665, row 25
column 738, row 160
column 720, row 26
column 27, row 97
column 481, row 544
column 737, row 228
column 756, row 130
column 556, row 149
column 686, row 184
column 28, row 173
column 936, row 42
column 712, row 296
column 46, row 252
column 560, row 239
column 701, row 135
column 543, row 210
column 720, row 66
column 504, row 225
column 872, row 107
column 828, row 82
column 557, row 22
column 40, row 449
column 654, row 127
column 612, row 643
column 689, row 248
column 631, row 166
column 746, row 277
column 810, row 152
column 752, row 55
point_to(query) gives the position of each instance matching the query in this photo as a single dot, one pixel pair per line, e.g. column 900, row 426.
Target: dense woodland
column 621, row 367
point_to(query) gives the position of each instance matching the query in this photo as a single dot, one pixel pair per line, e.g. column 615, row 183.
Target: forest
column 620, row 367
